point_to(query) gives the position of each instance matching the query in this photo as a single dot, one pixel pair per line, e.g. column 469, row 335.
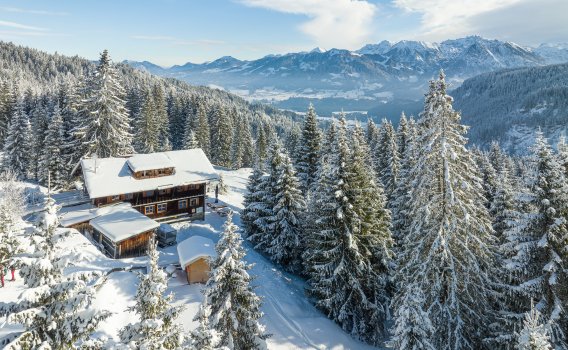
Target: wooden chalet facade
column 128, row 196
column 162, row 186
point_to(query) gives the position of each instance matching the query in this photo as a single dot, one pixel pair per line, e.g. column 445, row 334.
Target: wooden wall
column 198, row 271
column 135, row 246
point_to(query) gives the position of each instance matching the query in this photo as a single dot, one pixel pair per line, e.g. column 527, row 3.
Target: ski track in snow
column 289, row 317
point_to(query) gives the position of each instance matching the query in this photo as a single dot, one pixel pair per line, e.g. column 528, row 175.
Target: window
column 182, row 204
column 193, row 202
column 149, row 209
column 162, row 207
column 115, row 198
column 148, row 193
column 128, row 196
column 162, row 192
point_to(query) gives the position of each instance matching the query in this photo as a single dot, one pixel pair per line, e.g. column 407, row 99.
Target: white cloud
column 441, row 19
column 332, row 23
column 19, row 26
column 33, row 12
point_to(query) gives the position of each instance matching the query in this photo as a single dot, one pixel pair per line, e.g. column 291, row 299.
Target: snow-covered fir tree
column 372, row 138
column 202, row 132
column 261, row 145
column 56, row 310
column 104, row 126
column 402, row 135
column 190, row 141
column 267, row 192
column 146, row 136
column 11, row 204
column 52, row 164
column 309, row 150
column 285, row 225
column 39, row 115
column 221, row 137
column 448, row 253
column 243, row 145
column 235, row 308
column 18, row 144
column 402, row 198
column 388, row 162
column 161, row 118
column 157, row 328
column 413, row 329
column 341, row 252
column 253, row 206
column 202, row 338
column 541, row 247
column 535, row 333
column 563, row 154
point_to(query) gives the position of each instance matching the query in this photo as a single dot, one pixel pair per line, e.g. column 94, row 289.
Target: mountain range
column 380, row 79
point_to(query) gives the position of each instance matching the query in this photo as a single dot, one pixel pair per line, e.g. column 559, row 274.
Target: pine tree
column 388, row 163
column 448, row 253
column 220, row 141
column 563, row 154
column 247, row 144
column 157, row 328
column 51, row 161
column 56, row 310
column 161, row 118
column 267, row 191
column 372, row 137
column 39, row 112
column 534, row 335
column 239, row 144
column 541, row 253
column 11, row 205
column 190, row 141
column 261, row 145
column 402, row 198
column 17, row 147
column 343, row 278
column 147, row 136
column 252, row 204
column 402, row 135
column 235, row 308
column 104, row 126
column 413, row 329
column 202, row 336
column 286, row 245
column 308, row 153
column 6, row 110
column 202, row 133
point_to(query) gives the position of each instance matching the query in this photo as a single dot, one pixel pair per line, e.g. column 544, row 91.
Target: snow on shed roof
column 113, row 176
column 122, row 222
column 69, row 216
column 141, row 162
column 193, row 248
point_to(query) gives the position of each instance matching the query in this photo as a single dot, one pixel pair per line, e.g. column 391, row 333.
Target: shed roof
column 69, row 216
column 122, row 222
column 193, row 248
column 113, row 176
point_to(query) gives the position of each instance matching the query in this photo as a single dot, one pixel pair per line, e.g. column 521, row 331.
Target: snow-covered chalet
column 129, row 196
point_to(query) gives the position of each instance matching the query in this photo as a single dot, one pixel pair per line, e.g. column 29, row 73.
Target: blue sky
column 170, row 32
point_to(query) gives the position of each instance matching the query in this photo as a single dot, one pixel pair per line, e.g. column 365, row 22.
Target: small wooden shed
column 195, row 255
column 123, row 232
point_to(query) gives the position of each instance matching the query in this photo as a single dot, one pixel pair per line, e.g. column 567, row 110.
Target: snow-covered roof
column 69, row 216
column 122, row 222
column 141, row 162
column 113, row 176
column 193, row 248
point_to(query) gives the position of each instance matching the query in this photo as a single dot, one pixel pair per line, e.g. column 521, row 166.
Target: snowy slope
column 293, row 322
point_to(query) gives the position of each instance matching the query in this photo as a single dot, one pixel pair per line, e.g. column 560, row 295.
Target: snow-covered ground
column 288, row 315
